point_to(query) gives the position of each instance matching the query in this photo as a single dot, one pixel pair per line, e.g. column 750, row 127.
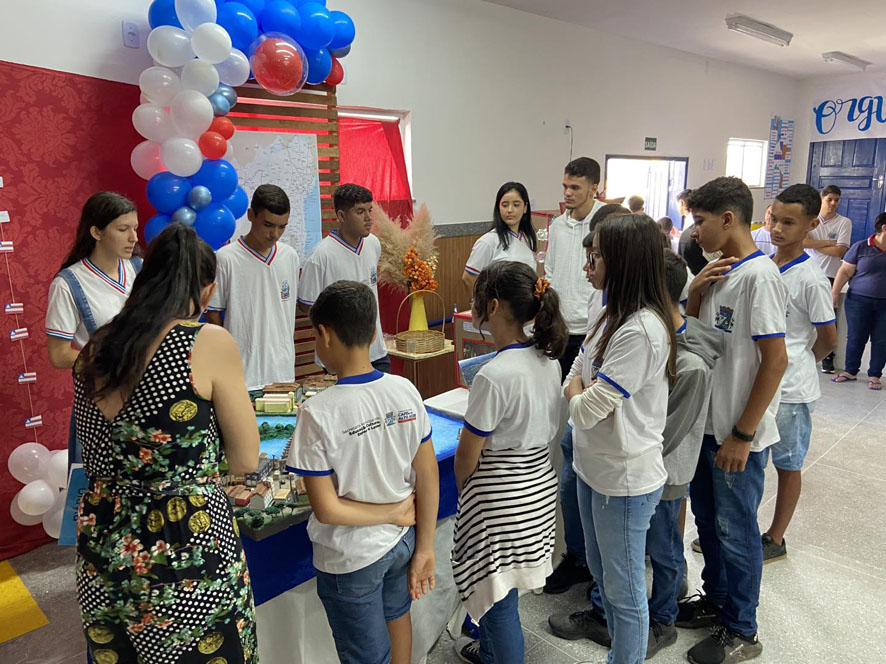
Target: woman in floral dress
column 161, row 576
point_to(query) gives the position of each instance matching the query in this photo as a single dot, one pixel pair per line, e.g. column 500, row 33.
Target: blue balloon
column 162, row 12
column 319, row 65
column 218, row 176
column 156, row 225
column 215, row 225
column 238, row 203
column 299, row 3
column 255, row 6
column 168, row 192
column 344, row 30
column 317, row 28
column 339, row 53
column 199, row 197
column 184, row 215
column 220, row 105
column 240, row 23
column 228, row 93
column 281, row 16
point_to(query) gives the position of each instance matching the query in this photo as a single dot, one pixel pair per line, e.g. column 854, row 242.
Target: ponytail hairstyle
column 528, row 298
column 99, row 211
column 177, row 267
column 632, row 251
column 526, row 227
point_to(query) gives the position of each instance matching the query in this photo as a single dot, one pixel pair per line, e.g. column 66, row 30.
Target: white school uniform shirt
column 564, row 267
column 838, row 228
column 763, row 240
column 515, row 401
column 364, row 431
column 749, row 304
column 621, row 455
column 258, row 296
column 105, row 294
column 809, row 306
column 333, row 260
column 488, row 250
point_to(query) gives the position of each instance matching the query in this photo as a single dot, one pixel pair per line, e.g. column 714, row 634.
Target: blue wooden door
column 858, row 168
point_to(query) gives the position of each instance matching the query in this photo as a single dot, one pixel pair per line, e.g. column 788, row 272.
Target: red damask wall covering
column 62, row 138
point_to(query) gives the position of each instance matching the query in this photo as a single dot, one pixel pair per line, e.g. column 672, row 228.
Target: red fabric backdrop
column 62, row 138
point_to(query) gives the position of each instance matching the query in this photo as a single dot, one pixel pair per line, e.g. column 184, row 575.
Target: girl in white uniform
column 93, row 282
column 511, row 238
column 504, row 530
column 618, row 392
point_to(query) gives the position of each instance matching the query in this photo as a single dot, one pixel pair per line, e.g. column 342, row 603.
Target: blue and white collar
column 118, row 284
column 361, row 379
column 338, row 238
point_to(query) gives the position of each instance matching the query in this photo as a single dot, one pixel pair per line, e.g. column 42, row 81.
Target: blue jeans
column 572, row 530
column 794, row 422
column 359, row 604
column 501, row 636
column 866, row 319
column 664, row 546
column 615, row 538
column 725, row 507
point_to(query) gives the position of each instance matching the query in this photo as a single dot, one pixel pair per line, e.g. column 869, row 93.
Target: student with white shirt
column 505, row 524
column 743, row 295
column 762, row 236
column 828, row 242
column 811, row 335
column 617, row 391
column 687, row 247
column 364, row 448
column 256, row 290
column 511, row 238
column 349, row 253
column 93, row 282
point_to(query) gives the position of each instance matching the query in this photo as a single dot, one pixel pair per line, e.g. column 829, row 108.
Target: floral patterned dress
column 161, row 575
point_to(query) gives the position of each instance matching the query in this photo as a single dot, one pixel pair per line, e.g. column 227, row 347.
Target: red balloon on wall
column 337, row 75
column 279, row 66
column 213, row 145
column 223, row 126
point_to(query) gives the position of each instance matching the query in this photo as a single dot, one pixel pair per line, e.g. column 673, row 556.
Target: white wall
column 488, row 87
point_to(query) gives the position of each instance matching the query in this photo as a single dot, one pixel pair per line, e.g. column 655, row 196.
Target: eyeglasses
column 594, row 256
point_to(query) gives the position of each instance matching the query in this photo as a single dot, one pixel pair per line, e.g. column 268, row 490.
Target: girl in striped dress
column 504, row 532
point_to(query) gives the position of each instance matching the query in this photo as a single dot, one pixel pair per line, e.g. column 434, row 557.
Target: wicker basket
column 426, row 341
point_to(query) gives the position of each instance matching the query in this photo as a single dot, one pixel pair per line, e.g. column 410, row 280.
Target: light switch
column 131, row 37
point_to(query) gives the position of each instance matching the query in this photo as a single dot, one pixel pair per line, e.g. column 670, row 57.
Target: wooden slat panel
column 328, row 152
column 327, row 189
column 307, row 370
column 305, row 347
column 273, row 123
column 307, row 97
column 323, row 114
column 301, row 360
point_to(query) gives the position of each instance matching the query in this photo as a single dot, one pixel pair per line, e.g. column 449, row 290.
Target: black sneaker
column 696, row 612
column 724, row 646
column 773, row 551
column 660, row 636
column 567, row 574
column 696, row 545
column 468, row 650
column 581, row 625
column 827, row 365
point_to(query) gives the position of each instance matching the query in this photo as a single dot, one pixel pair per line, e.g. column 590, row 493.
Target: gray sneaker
column 660, row 636
column 724, row 646
column 773, row 551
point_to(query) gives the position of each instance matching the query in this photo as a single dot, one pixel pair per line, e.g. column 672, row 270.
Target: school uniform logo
column 724, row 319
column 284, row 290
column 373, row 275
column 832, row 236
column 390, row 419
column 405, row 416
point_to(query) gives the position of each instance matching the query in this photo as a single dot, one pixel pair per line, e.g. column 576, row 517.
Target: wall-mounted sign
column 778, row 163
column 650, row 143
column 849, row 110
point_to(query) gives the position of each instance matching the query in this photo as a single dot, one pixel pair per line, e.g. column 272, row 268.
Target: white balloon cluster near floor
column 45, row 476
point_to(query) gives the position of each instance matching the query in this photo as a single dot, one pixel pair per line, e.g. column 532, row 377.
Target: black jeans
column 568, row 357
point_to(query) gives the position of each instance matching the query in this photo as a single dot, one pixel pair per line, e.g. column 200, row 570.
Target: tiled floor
column 823, row 604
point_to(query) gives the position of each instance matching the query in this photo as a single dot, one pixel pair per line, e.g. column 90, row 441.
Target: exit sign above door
column 650, row 143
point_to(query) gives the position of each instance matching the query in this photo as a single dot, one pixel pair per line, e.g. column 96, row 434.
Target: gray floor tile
column 863, row 452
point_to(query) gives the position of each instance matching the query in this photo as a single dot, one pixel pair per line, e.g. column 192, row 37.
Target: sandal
column 875, row 385
column 844, row 378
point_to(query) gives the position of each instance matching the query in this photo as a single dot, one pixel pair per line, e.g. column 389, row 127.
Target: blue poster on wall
column 778, row 163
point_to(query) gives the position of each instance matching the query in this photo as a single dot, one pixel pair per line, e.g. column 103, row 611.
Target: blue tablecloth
column 283, row 561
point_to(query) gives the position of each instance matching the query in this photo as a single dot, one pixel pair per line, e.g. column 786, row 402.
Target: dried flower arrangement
column 408, row 255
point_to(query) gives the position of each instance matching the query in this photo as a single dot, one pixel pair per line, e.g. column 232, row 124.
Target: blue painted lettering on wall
column 860, row 111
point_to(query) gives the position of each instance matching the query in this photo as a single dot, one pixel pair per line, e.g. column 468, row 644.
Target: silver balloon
column 220, row 104
column 184, row 215
column 199, row 197
column 228, row 93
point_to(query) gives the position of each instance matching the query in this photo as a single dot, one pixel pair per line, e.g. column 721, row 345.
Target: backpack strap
column 80, row 300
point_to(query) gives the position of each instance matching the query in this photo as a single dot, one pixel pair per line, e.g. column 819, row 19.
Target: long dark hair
column 526, row 227
column 99, row 211
column 177, row 267
column 632, row 251
column 516, row 283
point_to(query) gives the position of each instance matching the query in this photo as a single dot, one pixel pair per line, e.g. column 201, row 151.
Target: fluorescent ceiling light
column 764, row 31
column 839, row 56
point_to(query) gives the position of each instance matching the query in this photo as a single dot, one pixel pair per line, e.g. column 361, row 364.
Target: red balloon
column 279, row 67
column 223, row 126
column 337, row 75
column 213, row 145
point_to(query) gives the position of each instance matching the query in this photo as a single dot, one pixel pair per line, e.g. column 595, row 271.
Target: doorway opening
column 657, row 180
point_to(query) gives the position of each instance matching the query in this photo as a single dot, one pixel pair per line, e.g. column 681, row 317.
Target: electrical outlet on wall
column 131, row 36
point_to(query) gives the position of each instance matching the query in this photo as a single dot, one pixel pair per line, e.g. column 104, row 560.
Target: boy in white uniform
column 364, row 447
column 256, row 289
column 350, row 253
column 811, row 335
column 743, row 295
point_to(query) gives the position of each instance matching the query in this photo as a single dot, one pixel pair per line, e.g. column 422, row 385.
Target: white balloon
column 159, row 85
column 192, row 13
column 146, row 160
column 211, row 42
column 201, row 76
column 58, row 469
column 235, row 70
column 191, row 114
column 28, row 462
column 37, row 497
column 52, row 519
column 153, row 122
column 20, row 517
column 229, row 154
column 170, row 46
column 182, row 156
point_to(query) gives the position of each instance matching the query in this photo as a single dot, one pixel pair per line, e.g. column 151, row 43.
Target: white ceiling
column 857, row 27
